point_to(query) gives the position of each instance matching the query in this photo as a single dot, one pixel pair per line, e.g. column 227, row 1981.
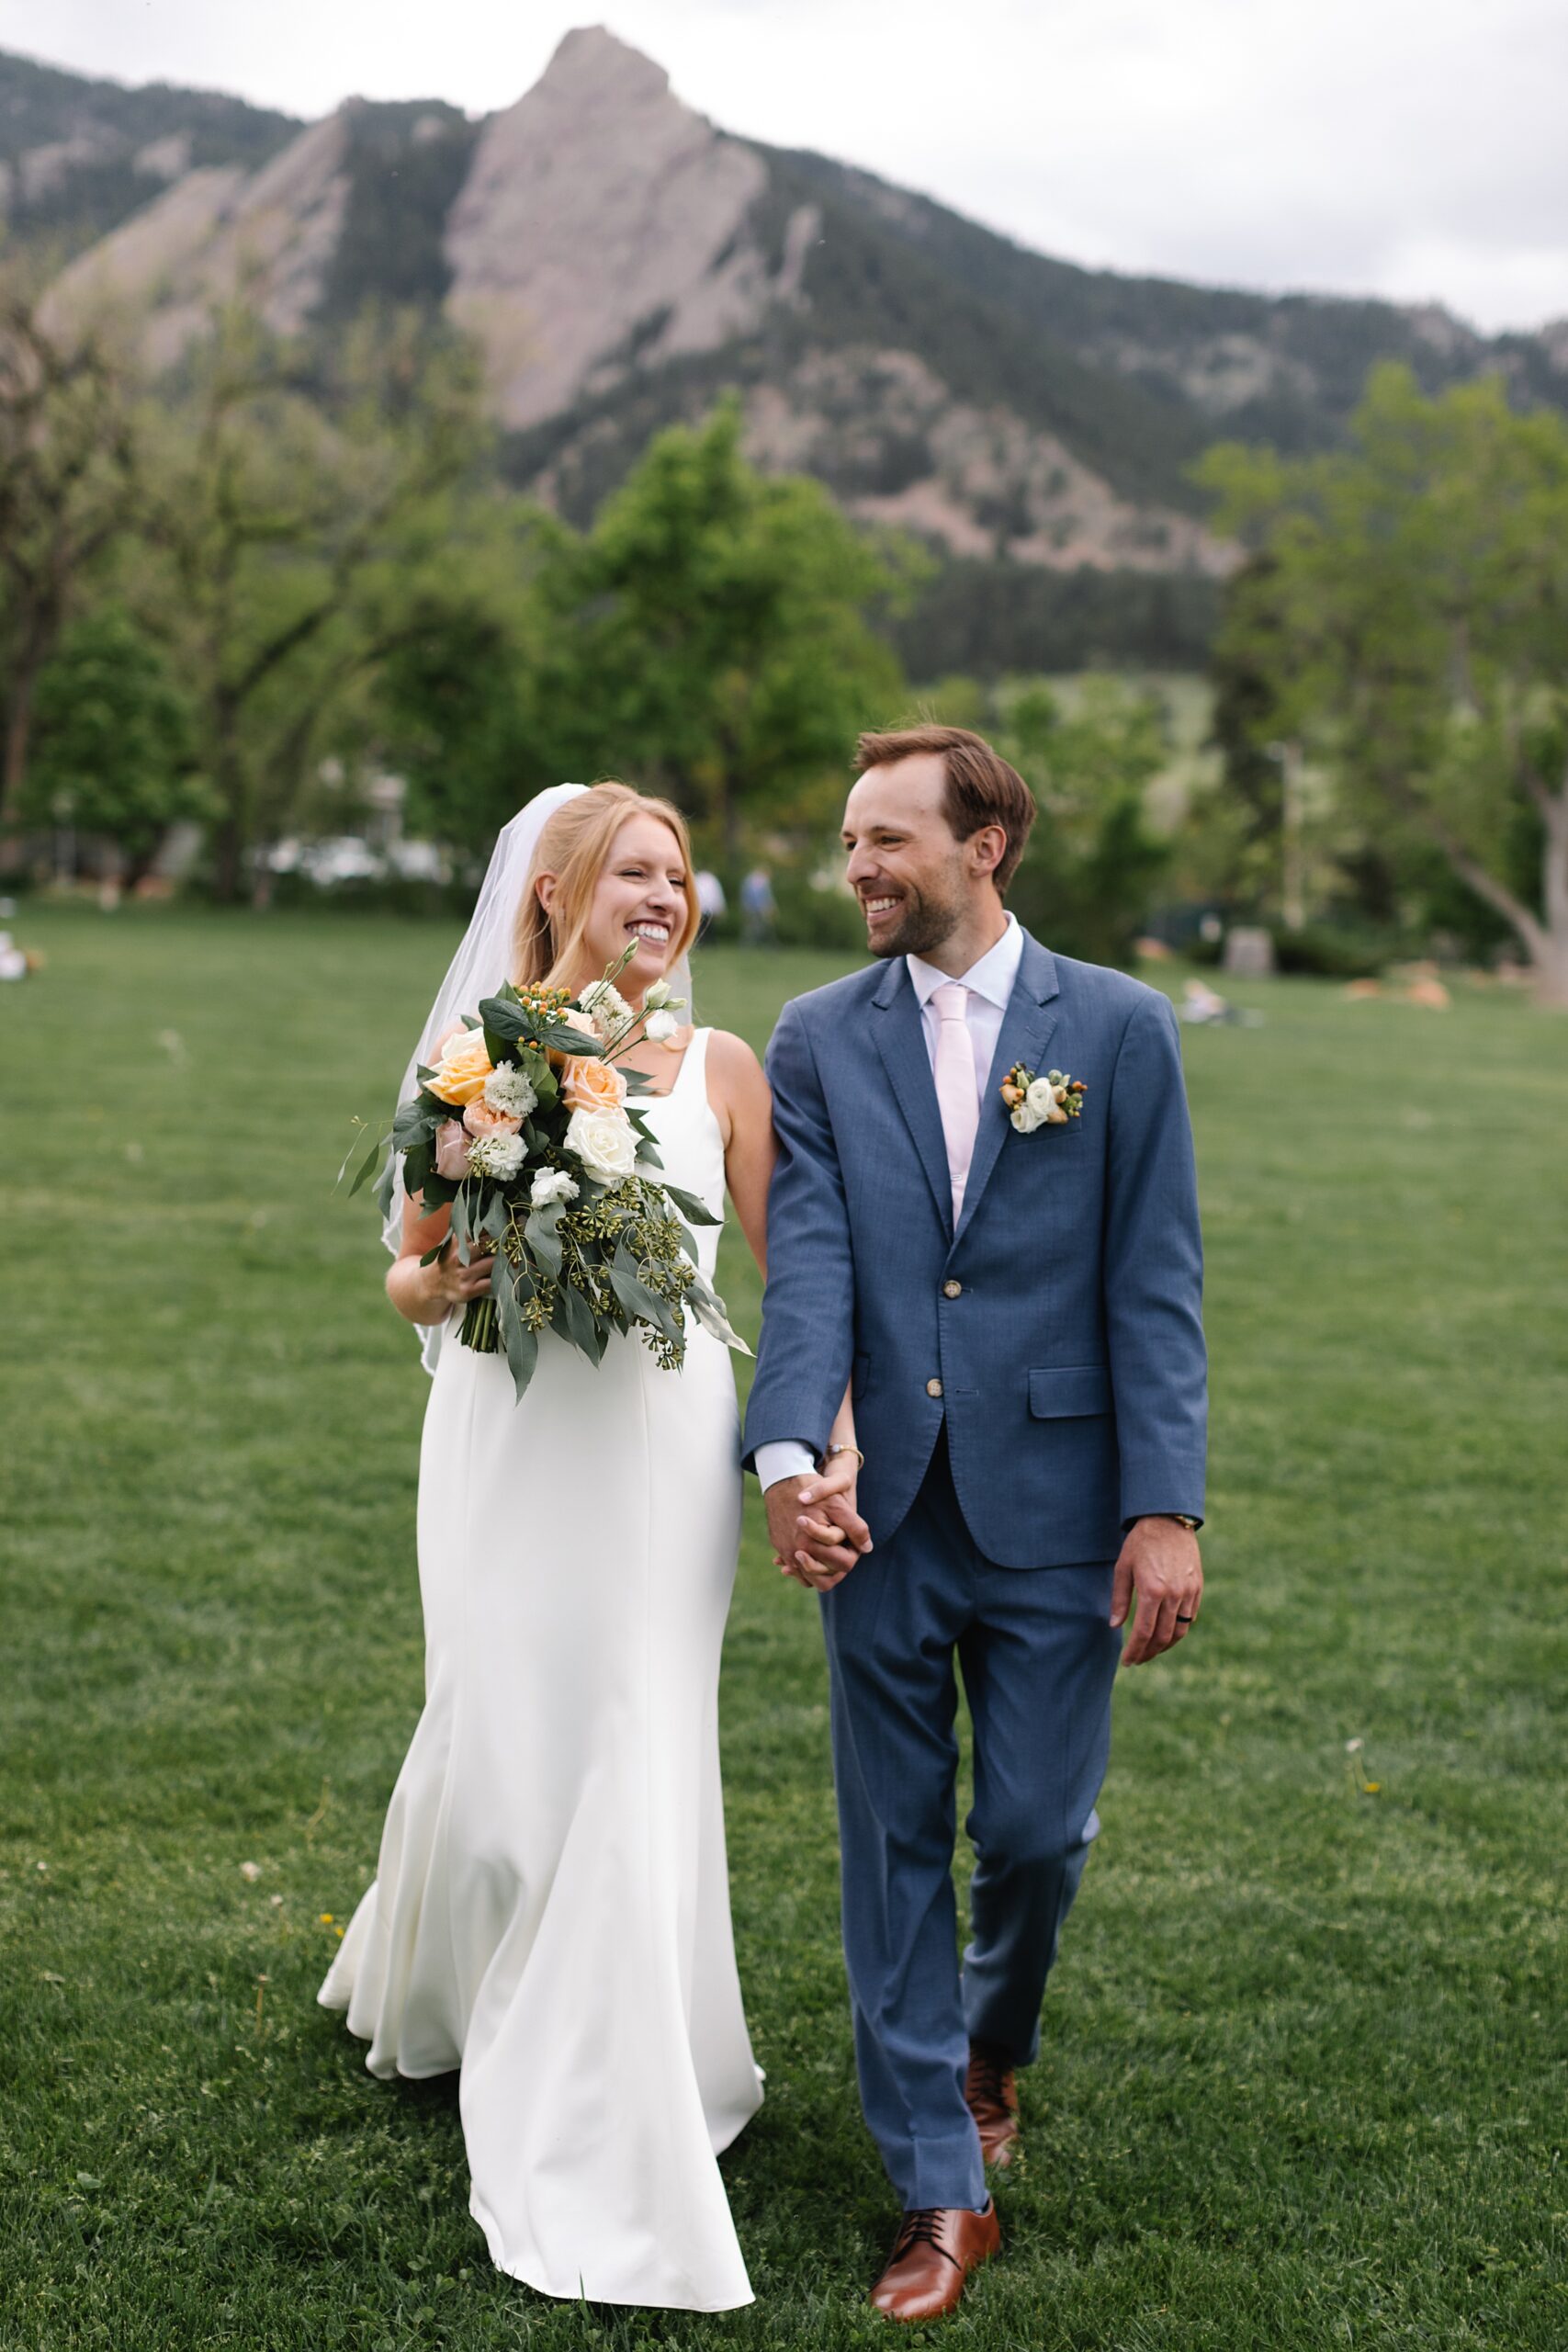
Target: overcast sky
column 1409, row 148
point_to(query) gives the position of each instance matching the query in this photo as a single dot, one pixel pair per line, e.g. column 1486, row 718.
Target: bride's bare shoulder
column 732, row 1062
column 737, row 1087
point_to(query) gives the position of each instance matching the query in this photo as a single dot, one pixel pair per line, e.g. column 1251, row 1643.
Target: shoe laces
column 987, row 2079
column 922, row 2227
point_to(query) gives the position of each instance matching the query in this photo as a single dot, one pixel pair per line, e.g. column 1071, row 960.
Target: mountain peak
column 603, row 216
column 591, row 57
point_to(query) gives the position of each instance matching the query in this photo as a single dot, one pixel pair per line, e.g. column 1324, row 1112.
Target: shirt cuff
column 786, row 1457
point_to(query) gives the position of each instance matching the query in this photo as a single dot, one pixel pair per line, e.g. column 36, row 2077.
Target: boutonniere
column 1048, row 1101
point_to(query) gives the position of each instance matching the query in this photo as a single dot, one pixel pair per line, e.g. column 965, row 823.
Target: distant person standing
column 758, row 912
column 711, row 902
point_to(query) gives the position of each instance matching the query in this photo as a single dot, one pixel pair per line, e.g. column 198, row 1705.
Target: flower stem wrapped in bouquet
column 528, row 1129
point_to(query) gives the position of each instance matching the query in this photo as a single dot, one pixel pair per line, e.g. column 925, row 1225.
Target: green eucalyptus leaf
column 694, row 1211
column 582, row 1329
column 520, row 1344
column 368, row 1165
column 540, row 1233
column 709, row 1310
column 643, row 1304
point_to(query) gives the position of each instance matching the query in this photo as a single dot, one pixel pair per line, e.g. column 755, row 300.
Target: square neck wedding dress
column 551, row 1907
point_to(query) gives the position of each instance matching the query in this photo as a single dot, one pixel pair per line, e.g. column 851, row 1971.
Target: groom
column 1014, row 1302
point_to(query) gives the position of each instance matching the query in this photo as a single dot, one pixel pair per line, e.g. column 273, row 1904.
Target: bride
column 551, row 1909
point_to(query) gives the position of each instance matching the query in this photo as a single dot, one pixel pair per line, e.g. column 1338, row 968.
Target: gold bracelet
column 844, row 1449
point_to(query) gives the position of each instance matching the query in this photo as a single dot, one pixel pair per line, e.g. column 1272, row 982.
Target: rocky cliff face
column 619, row 260
column 273, row 232
column 604, row 226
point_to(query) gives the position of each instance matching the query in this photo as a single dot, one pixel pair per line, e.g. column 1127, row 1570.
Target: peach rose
column 481, row 1120
column 463, row 1068
column 451, row 1151
column 589, row 1084
column 571, row 1019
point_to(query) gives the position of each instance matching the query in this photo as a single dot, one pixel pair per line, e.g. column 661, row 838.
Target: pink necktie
column 957, row 1095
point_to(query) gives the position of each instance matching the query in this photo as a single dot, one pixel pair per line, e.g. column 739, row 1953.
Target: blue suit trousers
column 1039, row 1659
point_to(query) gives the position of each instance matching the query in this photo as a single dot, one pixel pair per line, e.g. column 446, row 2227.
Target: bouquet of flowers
column 531, row 1132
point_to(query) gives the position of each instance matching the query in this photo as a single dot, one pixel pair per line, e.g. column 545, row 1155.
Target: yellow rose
column 589, row 1084
column 463, row 1068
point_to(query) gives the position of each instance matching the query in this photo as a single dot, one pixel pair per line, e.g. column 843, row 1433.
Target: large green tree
column 1408, row 624
column 475, row 702
column 67, row 486
column 1093, row 860
column 290, row 508
column 721, row 636
column 113, row 741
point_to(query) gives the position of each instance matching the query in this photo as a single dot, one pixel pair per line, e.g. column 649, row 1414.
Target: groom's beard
column 924, row 922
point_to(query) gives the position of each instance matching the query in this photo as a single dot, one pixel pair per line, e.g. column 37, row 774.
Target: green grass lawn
column 1303, row 2081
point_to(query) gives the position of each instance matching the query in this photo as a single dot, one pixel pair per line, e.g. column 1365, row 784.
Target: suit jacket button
column 933, row 1388
column 953, row 1290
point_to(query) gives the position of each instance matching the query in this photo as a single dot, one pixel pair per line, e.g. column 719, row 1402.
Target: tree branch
column 1469, row 868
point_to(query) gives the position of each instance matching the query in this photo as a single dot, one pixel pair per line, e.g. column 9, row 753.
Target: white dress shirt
column 990, row 983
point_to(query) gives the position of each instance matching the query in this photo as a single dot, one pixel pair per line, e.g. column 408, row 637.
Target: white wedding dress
column 551, row 1911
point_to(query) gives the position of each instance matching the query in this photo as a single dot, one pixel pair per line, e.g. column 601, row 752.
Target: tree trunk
column 19, row 731
column 229, row 834
column 729, row 817
column 228, row 857
column 1550, row 960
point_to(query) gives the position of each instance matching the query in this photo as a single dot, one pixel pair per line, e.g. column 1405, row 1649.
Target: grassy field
column 1304, row 2077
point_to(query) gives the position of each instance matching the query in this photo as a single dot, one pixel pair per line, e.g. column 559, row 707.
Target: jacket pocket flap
column 1062, row 1392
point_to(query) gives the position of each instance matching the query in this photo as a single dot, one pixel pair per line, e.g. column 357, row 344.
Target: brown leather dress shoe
column 990, row 2092
column 932, row 2255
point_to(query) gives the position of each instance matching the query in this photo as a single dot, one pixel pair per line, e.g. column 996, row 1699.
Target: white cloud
column 1411, row 148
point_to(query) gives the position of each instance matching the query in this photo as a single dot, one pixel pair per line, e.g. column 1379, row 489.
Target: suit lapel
column 1026, row 1032
column 900, row 1040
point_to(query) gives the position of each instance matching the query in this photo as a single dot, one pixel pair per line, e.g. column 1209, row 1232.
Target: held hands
column 816, row 1533
column 1160, row 1564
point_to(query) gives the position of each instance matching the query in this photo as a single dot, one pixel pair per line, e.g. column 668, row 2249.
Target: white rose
column 1025, row 1118
column 552, row 1184
column 661, row 1026
column 500, row 1155
column 1044, row 1100
column 511, row 1091
column 605, row 1142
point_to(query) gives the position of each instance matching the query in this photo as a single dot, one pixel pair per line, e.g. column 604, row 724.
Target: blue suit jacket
column 1062, row 1321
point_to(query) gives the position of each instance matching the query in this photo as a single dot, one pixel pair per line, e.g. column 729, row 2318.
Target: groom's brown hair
column 982, row 788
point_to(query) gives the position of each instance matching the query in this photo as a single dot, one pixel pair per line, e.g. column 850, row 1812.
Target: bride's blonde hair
column 573, row 847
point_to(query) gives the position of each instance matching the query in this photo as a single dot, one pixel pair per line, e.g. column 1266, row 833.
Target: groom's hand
column 1160, row 1565
column 816, row 1533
